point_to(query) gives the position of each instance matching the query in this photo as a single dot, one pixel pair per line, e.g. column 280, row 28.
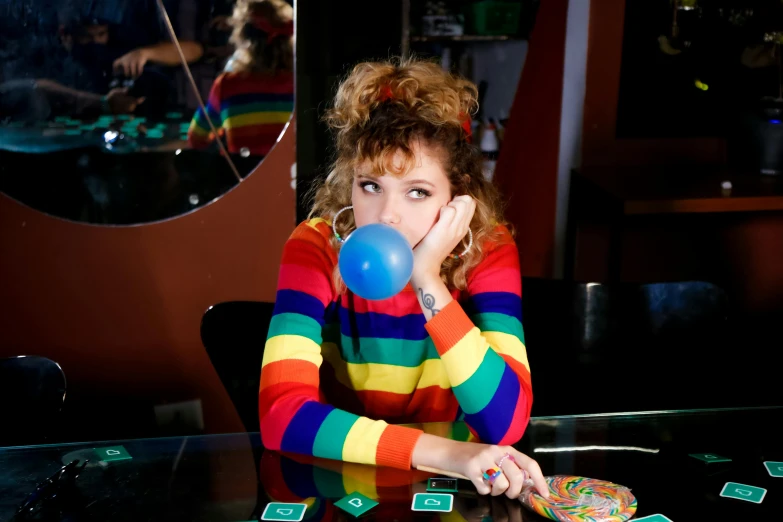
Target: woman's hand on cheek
column 452, row 225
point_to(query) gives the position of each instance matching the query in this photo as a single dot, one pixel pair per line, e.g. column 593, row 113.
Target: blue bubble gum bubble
column 376, row 262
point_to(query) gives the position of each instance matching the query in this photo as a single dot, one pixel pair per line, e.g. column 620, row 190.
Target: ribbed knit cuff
column 448, row 327
column 395, row 448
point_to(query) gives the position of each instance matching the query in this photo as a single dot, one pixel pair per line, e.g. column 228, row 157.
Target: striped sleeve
column 293, row 416
column 482, row 346
column 199, row 134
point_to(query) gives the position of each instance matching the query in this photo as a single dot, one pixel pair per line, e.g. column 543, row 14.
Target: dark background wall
column 332, row 37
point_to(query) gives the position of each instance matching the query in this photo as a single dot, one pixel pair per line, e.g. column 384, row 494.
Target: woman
column 251, row 102
column 338, row 370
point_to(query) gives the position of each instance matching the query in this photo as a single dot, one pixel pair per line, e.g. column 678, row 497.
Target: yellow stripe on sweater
column 314, row 223
column 385, row 377
column 464, row 358
column 256, row 118
column 508, row 344
column 361, row 443
column 281, row 347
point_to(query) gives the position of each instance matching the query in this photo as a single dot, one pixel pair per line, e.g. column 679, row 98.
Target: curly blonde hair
column 252, row 51
column 379, row 110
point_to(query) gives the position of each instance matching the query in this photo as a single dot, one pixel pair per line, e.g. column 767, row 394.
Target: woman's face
column 410, row 203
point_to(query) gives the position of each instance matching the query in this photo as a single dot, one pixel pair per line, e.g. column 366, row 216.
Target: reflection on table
column 231, row 477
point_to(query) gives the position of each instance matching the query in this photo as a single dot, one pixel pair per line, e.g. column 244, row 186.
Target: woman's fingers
column 500, row 485
column 515, row 468
column 464, row 208
column 516, row 477
column 447, row 214
column 482, row 487
column 531, row 466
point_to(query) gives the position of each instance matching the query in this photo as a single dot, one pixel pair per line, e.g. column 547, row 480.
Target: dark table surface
column 232, row 478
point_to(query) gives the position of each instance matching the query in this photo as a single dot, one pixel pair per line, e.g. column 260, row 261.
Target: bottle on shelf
column 489, row 149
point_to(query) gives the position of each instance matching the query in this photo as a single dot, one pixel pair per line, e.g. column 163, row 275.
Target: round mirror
column 121, row 112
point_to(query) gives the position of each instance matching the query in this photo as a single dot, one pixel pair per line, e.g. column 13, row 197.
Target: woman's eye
column 419, row 194
column 369, row 186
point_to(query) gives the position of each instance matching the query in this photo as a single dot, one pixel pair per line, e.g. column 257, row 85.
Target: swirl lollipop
column 580, row 499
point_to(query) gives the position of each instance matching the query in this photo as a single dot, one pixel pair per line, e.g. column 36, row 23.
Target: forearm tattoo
column 429, row 302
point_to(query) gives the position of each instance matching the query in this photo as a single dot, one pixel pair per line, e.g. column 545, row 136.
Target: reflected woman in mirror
column 250, row 103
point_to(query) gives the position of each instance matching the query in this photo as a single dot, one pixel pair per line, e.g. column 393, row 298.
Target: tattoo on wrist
column 428, row 301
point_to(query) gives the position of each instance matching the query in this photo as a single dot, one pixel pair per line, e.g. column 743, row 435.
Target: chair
column 32, row 393
column 234, row 334
column 597, row 348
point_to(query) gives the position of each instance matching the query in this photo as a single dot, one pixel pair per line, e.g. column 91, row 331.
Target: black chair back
column 234, row 334
column 32, row 393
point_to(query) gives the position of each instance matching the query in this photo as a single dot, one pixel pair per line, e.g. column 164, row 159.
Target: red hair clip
column 272, row 31
column 465, row 119
column 385, row 94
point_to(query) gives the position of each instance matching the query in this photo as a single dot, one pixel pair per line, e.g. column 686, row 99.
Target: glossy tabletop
column 232, row 477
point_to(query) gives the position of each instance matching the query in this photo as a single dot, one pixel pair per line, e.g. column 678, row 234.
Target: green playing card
column 112, row 454
column 284, row 511
column 432, row 502
column 775, row 469
column 743, row 492
column 709, row 457
column 356, row 504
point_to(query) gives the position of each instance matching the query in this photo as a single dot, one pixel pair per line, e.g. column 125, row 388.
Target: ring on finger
column 492, row 474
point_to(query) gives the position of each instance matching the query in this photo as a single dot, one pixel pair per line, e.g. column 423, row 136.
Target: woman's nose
column 390, row 214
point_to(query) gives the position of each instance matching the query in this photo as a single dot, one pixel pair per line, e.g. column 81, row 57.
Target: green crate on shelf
column 494, row 17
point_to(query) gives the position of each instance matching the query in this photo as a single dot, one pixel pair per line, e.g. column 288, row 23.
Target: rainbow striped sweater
column 340, row 373
column 250, row 109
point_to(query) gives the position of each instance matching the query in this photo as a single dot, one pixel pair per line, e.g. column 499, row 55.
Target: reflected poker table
column 683, row 465
column 115, row 170
column 115, row 133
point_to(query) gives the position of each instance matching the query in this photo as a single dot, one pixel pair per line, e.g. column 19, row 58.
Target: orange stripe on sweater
column 449, row 327
column 289, row 370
